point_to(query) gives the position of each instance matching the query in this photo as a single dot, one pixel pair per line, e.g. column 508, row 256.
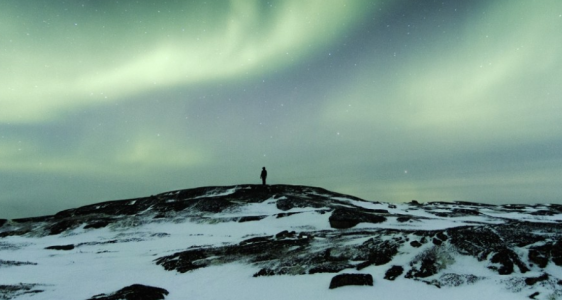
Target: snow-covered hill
column 283, row 242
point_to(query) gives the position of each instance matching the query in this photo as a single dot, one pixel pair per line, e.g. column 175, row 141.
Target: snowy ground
column 107, row 259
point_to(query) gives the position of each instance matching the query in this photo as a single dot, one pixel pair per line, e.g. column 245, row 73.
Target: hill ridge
column 277, row 230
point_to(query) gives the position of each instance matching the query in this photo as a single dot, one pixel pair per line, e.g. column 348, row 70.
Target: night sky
column 385, row 100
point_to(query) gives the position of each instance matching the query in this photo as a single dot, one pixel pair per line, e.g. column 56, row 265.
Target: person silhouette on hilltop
column 263, row 175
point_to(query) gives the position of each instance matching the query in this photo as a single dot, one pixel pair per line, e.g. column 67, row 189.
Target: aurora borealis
column 386, row 100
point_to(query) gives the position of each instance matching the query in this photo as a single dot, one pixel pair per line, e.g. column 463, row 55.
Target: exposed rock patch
column 11, row 263
column 135, row 292
column 533, row 280
column 351, row 279
column 393, row 272
column 343, row 218
column 257, row 250
column 507, row 259
column 15, row 291
column 61, row 247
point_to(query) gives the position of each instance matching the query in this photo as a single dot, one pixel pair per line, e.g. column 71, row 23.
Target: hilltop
column 280, row 242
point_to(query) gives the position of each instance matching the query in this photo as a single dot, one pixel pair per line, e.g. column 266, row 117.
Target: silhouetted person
column 263, row 175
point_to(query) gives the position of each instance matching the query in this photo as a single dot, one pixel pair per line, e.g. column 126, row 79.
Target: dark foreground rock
column 393, row 272
column 60, row 247
column 14, row 291
column 351, row 279
column 135, row 292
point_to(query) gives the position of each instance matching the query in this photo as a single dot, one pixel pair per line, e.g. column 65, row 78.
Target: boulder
column 61, row 247
column 351, row 279
column 415, row 244
column 533, row 280
column 343, row 218
column 393, row 272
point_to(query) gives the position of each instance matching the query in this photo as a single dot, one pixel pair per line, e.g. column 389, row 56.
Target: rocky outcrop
column 17, row 290
column 343, row 218
column 259, row 250
column 346, row 235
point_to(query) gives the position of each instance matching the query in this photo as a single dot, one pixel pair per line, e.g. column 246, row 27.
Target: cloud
column 64, row 65
column 496, row 84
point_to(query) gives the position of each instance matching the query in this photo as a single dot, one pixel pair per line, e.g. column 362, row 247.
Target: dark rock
column 428, row 268
column 329, row 267
column 351, row 279
column 460, row 212
column 12, row 233
column 61, row 247
column 62, row 226
column 557, row 207
column 377, row 252
column 135, row 292
column 522, row 233
column 184, row 261
column 259, row 250
column 33, row 219
column 540, row 255
column 288, row 203
column 251, row 218
column 415, row 244
column 96, row 224
column 507, row 259
column 533, row 280
column 264, row 272
column 403, row 219
column 212, row 205
column 544, row 213
column 477, row 241
column 285, row 234
column 15, row 291
column 437, row 242
column 283, row 215
column 393, row 272
column 377, row 211
column 556, row 253
column 534, row 295
column 429, row 263
column 2, row 222
column 254, row 240
column 441, row 236
column 343, row 218
column 11, row 263
column 452, row 280
column 516, row 207
column 468, row 203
